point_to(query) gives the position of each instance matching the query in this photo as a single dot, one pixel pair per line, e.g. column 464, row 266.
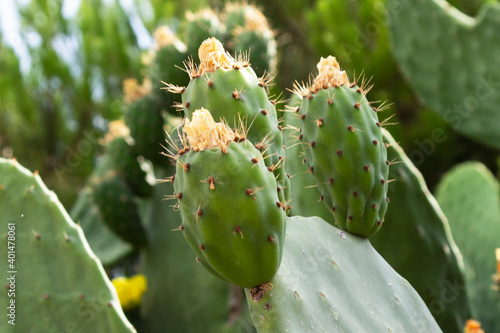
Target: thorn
column 66, row 237
column 36, row 234
column 237, row 231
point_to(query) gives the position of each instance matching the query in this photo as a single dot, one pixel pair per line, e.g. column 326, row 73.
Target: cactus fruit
column 118, row 208
column 248, row 29
column 415, row 227
column 322, row 286
column 200, row 26
column 344, row 149
column 231, row 214
column 122, row 157
column 144, row 119
column 475, row 226
column 232, row 92
column 168, row 52
column 305, row 198
column 177, row 282
column 451, row 60
column 58, row 282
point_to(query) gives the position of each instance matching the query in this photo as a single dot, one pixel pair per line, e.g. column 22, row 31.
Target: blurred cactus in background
column 227, row 168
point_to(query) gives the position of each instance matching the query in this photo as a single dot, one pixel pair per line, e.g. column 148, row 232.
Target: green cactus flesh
column 332, row 281
column 145, row 122
column 345, row 153
column 470, row 195
column 179, row 288
column 415, row 227
column 231, row 214
column 304, row 195
column 118, row 208
column 60, row 284
column 452, row 62
column 239, row 97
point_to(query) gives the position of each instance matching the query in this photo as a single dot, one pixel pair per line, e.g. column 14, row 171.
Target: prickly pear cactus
column 232, row 92
column 199, row 26
column 121, row 156
column 249, row 30
column 106, row 245
column 451, row 61
column 470, row 197
column 415, row 227
column 322, row 286
column 144, row 119
column 305, row 197
column 167, row 53
column 53, row 275
column 344, row 150
column 118, row 208
column 188, row 291
column 231, row 214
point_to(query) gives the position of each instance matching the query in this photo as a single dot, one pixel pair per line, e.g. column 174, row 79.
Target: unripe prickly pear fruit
column 199, row 26
column 121, row 155
column 344, row 149
column 118, row 208
column 231, row 214
column 249, row 30
column 168, row 52
column 144, row 119
column 231, row 90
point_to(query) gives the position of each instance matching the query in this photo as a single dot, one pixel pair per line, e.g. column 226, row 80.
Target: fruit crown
column 329, row 75
column 203, row 132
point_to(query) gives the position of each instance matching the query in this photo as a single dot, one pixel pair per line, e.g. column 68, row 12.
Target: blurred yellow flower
column 130, row 290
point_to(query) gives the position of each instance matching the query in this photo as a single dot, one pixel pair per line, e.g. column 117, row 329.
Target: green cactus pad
column 59, row 283
column 345, row 153
column 452, row 62
column 118, row 208
column 231, row 214
column 470, row 197
column 145, row 122
column 234, row 94
column 333, row 281
column 179, row 288
column 415, row 227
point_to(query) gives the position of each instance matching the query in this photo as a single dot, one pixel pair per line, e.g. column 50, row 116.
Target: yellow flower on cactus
column 130, row 290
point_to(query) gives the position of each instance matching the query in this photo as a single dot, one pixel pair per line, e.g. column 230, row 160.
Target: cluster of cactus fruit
column 246, row 179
